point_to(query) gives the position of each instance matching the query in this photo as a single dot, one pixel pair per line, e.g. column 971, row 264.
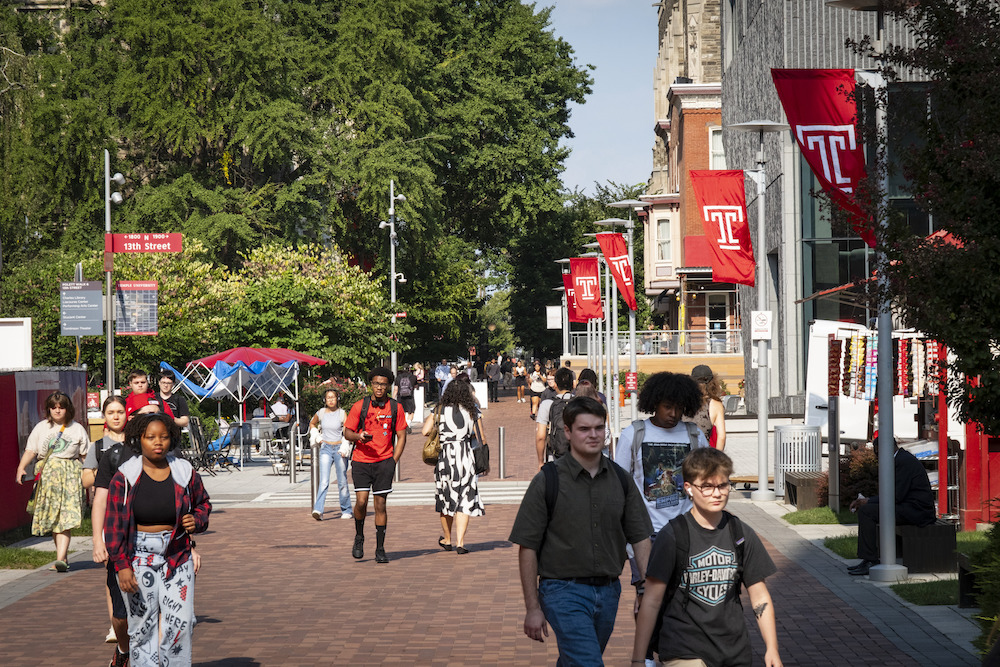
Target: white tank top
column 331, row 424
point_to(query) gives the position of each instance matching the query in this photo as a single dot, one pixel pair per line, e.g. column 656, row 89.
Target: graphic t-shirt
column 702, row 620
column 656, row 468
column 377, row 422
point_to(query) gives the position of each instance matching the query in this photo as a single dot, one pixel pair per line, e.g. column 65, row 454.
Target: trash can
column 796, row 449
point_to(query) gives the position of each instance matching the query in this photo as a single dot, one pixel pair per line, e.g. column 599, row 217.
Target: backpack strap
column 364, row 412
column 736, row 532
column 393, row 408
column 693, row 432
column 682, row 549
column 638, row 434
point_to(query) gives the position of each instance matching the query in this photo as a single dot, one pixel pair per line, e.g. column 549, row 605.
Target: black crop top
column 154, row 501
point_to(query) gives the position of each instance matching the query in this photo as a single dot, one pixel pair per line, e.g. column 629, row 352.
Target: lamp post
column 393, row 242
column 109, row 310
column 887, row 570
column 760, row 176
column 607, row 384
column 564, row 269
column 629, row 226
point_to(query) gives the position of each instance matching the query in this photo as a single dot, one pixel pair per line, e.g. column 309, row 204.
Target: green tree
column 947, row 287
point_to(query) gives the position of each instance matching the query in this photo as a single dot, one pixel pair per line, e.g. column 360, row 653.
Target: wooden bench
column 802, row 489
column 747, row 480
column 967, row 589
column 928, row 549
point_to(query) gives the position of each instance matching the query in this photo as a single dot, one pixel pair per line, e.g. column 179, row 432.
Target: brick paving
column 278, row 588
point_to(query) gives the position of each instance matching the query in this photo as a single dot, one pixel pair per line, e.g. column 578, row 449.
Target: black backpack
column 556, row 443
column 392, row 410
column 405, row 385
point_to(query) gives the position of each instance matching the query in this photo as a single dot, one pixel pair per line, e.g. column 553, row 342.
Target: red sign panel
column 722, row 202
column 145, row 242
column 631, row 382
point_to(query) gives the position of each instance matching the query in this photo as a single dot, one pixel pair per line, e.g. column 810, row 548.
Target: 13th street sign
column 143, row 243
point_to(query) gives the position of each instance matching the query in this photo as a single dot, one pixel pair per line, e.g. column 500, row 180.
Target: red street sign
column 631, row 382
column 403, row 314
column 144, row 242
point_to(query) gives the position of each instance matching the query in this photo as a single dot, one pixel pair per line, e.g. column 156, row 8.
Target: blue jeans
column 329, row 456
column 582, row 618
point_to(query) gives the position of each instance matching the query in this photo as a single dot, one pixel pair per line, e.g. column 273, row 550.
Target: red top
column 377, row 422
column 138, row 401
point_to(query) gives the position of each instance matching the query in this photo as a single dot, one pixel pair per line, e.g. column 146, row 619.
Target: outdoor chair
column 218, row 449
column 263, row 433
column 199, row 449
column 730, row 403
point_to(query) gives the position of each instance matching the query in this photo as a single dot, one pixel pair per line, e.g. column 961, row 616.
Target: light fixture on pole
column 393, row 242
column 564, row 264
column 887, row 570
column 631, row 205
column 760, row 177
column 109, row 309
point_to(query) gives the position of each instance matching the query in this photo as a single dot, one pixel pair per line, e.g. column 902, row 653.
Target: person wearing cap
column 711, row 418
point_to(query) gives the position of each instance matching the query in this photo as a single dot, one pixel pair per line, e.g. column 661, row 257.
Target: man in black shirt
column 178, row 404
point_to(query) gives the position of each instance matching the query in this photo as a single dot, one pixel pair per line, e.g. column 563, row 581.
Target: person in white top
column 333, row 451
column 61, row 444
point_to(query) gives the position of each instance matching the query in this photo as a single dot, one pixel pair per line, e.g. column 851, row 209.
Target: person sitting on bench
column 914, row 507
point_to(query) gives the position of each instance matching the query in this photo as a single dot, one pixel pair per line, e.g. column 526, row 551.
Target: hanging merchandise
column 846, row 362
column 919, row 366
column 859, row 367
column 902, row 366
column 871, row 368
column 836, row 349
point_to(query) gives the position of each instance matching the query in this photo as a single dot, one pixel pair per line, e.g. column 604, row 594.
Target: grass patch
column 845, row 546
column 24, row 559
column 820, row 515
column 969, row 542
column 928, row 592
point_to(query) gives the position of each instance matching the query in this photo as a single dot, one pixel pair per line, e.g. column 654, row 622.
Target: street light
column 393, row 276
column 887, row 570
column 109, row 306
column 631, row 205
column 563, row 269
column 759, row 175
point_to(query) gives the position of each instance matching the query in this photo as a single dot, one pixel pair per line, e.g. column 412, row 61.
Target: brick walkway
column 278, row 588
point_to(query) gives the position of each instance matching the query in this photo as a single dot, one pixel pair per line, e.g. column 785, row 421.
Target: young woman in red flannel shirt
column 155, row 502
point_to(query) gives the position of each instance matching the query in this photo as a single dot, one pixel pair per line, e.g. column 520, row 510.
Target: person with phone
column 377, row 426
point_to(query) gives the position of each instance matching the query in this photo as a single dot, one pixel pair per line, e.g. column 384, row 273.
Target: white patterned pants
column 161, row 614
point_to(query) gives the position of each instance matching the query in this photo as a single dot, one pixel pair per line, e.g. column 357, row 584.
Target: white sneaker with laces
column 347, row 515
column 317, row 515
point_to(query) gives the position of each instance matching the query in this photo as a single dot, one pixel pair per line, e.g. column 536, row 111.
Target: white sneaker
column 317, row 515
column 347, row 515
column 111, row 638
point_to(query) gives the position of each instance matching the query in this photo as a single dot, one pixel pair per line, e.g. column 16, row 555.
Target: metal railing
column 677, row 341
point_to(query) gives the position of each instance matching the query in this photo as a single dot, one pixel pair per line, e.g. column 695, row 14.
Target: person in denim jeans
column 572, row 550
column 332, row 452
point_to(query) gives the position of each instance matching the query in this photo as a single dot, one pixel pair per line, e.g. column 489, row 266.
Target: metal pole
column 609, row 364
column 565, row 323
column 392, row 275
column 762, row 493
column 109, row 331
column 608, row 351
column 632, row 364
column 314, row 473
column 502, row 450
column 615, row 394
column 833, row 440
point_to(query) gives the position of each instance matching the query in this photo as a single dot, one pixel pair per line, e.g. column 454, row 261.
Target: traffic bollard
column 501, row 447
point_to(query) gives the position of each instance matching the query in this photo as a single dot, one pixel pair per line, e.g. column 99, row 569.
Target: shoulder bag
column 480, row 451
column 432, row 447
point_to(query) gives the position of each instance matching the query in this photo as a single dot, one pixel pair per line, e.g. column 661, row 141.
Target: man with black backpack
column 550, row 436
column 575, row 519
column 403, row 388
column 698, row 562
column 377, row 427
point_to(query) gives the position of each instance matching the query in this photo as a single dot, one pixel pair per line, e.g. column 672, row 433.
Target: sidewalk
column 278, row 588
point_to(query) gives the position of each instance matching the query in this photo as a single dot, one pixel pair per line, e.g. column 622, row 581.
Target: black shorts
column 409, row 405
column 118, row 609
column 373, row 477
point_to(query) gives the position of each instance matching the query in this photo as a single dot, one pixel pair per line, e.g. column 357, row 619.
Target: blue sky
column 614, row 129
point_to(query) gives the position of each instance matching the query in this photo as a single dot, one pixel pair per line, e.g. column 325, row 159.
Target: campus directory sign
column 136, row 308
column 80, row 312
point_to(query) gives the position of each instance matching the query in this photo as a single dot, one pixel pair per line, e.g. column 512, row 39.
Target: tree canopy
column 946, row 285
column 257, row 127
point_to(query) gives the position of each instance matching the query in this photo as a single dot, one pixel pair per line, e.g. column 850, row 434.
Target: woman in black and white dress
column 457, row 492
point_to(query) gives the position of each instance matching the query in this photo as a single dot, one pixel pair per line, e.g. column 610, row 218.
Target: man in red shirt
column 379, row 438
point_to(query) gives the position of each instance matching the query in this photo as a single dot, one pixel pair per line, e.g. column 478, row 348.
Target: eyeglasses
column 709, row 489
column 380, row 384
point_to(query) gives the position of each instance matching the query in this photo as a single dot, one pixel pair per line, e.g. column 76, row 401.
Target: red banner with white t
column 723, row 206
column 586, row 275
column 571, row 308
column 822, row 112
column 616, row 255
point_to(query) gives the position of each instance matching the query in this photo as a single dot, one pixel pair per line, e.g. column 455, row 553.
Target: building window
column 717, row 159
column 663, row 240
